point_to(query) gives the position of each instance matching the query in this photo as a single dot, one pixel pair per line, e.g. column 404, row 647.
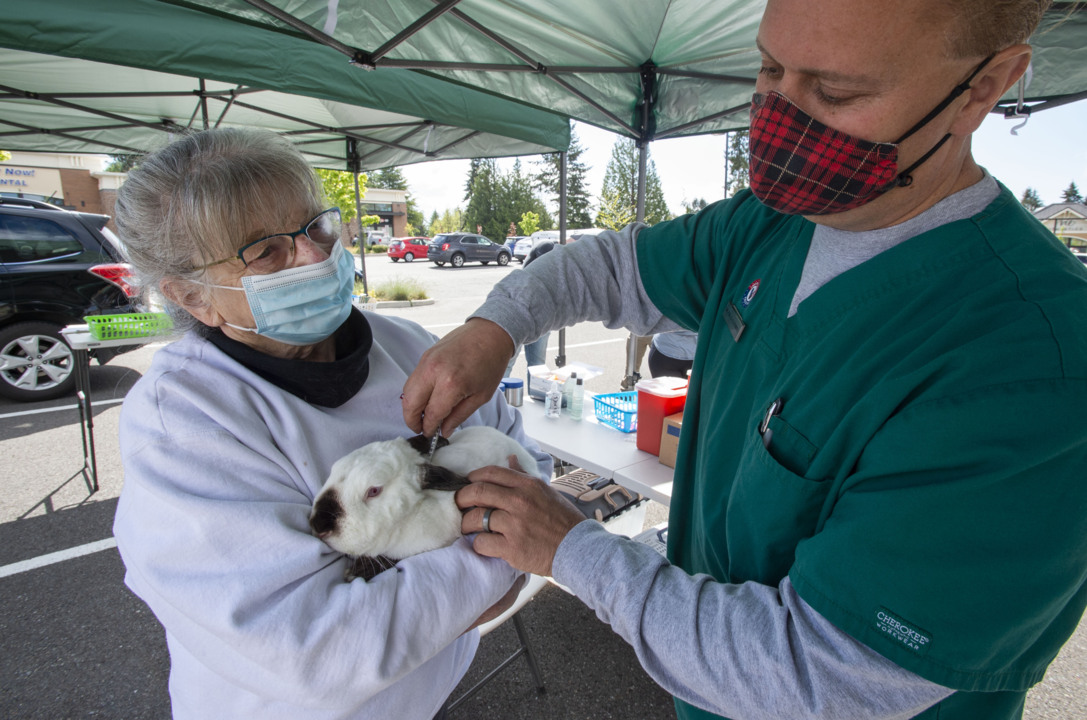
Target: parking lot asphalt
column 74, row 643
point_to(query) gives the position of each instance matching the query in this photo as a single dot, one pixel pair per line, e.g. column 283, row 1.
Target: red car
column 408, row 248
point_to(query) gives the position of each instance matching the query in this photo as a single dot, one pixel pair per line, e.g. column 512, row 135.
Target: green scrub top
column 924, row 485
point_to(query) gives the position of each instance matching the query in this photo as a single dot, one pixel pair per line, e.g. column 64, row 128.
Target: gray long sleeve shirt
column 740, row 650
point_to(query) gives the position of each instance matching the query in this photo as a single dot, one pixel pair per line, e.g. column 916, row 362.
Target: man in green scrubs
column 879, row 507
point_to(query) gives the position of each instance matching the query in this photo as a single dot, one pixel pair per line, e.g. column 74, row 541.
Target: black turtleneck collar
column 328, row 384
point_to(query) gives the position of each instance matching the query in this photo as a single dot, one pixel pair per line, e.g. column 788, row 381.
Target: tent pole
column 560, row 361
column 204, row 104
column 353, row 163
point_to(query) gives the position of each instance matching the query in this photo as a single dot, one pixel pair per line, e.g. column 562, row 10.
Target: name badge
column 734, row 321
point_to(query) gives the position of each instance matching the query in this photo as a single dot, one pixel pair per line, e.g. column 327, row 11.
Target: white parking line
column 59, row 556
column 111, row 401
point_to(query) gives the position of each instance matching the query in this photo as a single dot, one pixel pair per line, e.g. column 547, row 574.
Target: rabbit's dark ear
column 421, row 444
column 439, row 478
column 367, row 568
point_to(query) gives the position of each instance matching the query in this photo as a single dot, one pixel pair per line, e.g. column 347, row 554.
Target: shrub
column 395, row 289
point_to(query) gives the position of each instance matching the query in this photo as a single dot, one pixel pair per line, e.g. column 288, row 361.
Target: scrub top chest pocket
column 772, row 505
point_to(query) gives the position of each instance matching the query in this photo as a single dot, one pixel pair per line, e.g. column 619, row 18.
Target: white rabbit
column 385, row 502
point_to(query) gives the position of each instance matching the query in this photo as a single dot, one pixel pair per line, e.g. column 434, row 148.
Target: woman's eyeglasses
column 273, row 253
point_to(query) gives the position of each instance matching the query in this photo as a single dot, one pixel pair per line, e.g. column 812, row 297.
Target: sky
column 1048, row 153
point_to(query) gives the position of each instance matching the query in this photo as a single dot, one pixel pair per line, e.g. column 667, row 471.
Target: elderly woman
column 232, row 432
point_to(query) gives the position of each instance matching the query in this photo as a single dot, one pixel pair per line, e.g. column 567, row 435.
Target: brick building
column 73, row 181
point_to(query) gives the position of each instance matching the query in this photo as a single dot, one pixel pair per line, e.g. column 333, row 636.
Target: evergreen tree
column 578, row 200
column 473, row 169
column 694, row 206
column 497, row 199
column 620, row 188
column 1030, row 200
column 1071, row 194
column 429, row 231
column 736, row 162
column 450, row 221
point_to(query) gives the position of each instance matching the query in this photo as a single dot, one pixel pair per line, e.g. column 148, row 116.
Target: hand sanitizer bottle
column 568, row 390
column 553, row 403
column 577, row 400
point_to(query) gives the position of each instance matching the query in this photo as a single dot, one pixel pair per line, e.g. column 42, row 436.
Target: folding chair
column 533, row 585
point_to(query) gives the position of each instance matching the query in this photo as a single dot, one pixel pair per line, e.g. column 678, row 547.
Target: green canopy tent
column 121, row 77
column 646, row 70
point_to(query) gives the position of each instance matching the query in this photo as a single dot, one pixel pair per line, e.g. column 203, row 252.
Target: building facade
column 391, row 206
column 72, row 181
column 1068, row 221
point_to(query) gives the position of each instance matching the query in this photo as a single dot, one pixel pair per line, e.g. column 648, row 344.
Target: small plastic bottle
column 553, row 403
column 577, row 400
column 568, row 390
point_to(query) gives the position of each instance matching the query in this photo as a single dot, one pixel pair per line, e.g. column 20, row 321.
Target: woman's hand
column 528, row 519
column 456, row 376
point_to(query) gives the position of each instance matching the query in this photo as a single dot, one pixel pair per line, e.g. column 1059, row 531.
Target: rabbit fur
column 385, row 501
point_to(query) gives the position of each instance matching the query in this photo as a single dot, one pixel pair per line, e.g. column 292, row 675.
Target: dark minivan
column 459, row 248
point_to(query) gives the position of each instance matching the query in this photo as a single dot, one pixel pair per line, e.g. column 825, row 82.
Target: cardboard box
column 670, row 439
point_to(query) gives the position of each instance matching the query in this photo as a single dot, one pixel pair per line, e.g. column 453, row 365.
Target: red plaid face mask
column 799, row 166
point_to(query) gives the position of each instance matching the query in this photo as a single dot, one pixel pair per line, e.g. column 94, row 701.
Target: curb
column 379, row 304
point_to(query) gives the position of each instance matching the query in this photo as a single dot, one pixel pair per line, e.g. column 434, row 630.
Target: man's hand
column 504, row 604
column 456, row 376
column 528, row 519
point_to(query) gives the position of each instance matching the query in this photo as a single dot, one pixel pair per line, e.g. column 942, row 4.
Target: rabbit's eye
column 373, row 492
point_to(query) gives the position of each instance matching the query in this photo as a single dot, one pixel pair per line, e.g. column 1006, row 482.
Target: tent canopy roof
column 646, row 69
column 119, row 76
column 511, row 70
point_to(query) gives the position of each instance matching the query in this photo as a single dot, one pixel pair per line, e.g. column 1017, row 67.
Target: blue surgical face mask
column 300, row 305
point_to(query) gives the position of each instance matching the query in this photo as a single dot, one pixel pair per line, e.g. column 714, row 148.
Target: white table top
column 599, row 448
column 80, row 338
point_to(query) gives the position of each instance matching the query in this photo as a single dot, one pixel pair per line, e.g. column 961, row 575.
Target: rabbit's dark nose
column 326, row 514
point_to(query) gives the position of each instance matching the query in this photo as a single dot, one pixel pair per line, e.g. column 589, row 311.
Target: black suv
column 56, row 266
column 459, row 248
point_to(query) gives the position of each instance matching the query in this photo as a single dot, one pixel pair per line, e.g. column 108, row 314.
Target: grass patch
column 395, row 289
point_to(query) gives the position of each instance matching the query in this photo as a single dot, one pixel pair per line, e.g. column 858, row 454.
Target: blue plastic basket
column 619, row 410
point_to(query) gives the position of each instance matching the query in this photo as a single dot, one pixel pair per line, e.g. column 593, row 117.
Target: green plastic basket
column 129, row 325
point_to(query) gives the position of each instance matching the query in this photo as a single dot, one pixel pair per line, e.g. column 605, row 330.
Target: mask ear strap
column 959, row 90
column 905, row 179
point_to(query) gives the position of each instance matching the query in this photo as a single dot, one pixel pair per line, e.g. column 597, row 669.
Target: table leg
column 82, row 370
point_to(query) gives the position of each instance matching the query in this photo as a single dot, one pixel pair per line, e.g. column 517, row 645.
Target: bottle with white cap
column 577, row 400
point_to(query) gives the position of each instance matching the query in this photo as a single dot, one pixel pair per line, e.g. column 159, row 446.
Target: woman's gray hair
column 201, row 198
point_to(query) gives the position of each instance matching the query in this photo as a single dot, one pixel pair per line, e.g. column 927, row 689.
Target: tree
column 736, row 162
column 620, row 188
column 339, row 188
column 1071, row 194
column 391, row 178
column 530, row 223
column 578, row 200
column 1031, row 200
column 615, row 212
column 450, row 221
column 497, row 199
column 122, row 163
column 694, row 206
